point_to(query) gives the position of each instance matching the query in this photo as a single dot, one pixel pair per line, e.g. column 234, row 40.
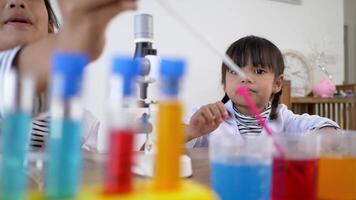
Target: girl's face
column 260, row 82
column 22, row 22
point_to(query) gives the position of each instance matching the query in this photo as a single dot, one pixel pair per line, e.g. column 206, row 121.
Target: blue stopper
column 128, row 68
column 171, row 72
column 70, row 66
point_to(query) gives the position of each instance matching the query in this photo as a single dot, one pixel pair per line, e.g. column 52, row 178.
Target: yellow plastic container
column 37, row 195
column 188, row 190
column 91, row 193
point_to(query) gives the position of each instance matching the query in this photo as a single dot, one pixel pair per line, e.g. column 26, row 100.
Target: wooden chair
column 286, row 97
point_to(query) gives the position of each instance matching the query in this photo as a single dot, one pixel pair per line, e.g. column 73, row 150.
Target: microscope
column 147, row 57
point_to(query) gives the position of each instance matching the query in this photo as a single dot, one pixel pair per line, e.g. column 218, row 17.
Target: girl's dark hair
column 259, row 52
column 53, row 22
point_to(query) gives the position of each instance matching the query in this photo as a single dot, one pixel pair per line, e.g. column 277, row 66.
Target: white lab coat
column 287, row 122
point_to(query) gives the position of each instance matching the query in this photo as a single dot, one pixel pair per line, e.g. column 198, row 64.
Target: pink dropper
column 243, row 91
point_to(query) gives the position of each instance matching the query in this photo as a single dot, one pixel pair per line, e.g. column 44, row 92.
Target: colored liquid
column 64, row 160
column 294, row 179
column 15, row 136
column 120, row 159
column 169, row 146
column 337, row 178
column 241, row 181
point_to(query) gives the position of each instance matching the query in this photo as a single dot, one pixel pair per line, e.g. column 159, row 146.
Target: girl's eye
column 231, row 72
column 260, row 71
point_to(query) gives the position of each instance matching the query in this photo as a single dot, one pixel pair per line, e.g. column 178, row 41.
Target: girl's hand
column 206, row 120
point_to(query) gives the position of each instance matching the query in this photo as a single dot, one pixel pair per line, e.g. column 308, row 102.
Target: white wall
column 315, row 23
column 350, row 21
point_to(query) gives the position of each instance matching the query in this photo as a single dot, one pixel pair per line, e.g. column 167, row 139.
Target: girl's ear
column 278, row 83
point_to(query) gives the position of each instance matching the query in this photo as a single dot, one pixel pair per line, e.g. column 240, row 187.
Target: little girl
column 27, row 42
column 262, row 62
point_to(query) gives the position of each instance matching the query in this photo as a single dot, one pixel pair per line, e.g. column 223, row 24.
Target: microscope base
column 144, row 165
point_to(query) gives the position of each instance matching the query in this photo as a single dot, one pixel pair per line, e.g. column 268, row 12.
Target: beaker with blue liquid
column 241, row 168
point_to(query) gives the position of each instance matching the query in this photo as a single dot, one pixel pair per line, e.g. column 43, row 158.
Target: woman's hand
column 85, row 22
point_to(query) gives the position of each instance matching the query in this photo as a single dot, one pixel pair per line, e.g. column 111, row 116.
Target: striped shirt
column 249, row 125
column 39, row 131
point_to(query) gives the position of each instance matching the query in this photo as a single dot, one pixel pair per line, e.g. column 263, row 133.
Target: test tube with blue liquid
column 64, row 153
column 15, row 130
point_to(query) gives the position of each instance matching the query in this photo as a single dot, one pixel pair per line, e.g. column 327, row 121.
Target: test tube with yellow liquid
column 170, row 130
column 166, row 183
